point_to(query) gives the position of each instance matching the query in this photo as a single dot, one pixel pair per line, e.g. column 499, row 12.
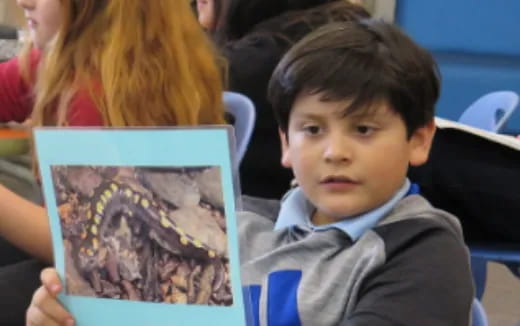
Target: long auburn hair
column 143, row 62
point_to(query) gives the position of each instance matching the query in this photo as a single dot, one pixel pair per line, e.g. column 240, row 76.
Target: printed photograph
column 154, row 234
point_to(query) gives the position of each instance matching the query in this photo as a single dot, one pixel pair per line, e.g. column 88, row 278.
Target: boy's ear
column 421, row 143
column 286, row 160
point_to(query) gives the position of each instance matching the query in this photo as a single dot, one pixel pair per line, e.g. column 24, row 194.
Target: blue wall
column 476, row 43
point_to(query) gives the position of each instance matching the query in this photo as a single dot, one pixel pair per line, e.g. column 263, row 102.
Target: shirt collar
column 297, row 210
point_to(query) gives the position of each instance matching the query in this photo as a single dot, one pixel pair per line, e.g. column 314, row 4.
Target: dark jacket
column 252, row 59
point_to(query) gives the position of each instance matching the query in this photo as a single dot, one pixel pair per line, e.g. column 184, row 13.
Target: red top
column 16, row 100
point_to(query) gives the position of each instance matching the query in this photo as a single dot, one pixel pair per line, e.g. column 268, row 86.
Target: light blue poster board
column 177, row 147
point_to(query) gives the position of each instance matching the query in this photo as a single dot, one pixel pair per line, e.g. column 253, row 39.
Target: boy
column 354, row 244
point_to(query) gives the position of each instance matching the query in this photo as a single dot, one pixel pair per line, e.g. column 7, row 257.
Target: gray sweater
column 411, row 268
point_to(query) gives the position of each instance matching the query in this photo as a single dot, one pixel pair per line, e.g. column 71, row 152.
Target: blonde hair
column 143, row 62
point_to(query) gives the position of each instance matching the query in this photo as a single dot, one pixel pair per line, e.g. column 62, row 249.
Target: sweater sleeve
column 15, row 94
column 426, row 280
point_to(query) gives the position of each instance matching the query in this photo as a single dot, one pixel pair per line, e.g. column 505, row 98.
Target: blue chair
column 243, row 111
column 491, row 111
column 507, row 254
column 478, row 314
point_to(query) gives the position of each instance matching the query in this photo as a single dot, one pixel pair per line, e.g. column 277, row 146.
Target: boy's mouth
column 338, row 183
column 338, row 179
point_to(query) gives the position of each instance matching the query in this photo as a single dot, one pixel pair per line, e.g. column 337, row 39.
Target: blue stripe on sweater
column 282, row 302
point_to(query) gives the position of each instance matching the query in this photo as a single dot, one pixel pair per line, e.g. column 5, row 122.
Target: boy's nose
column 337, row 150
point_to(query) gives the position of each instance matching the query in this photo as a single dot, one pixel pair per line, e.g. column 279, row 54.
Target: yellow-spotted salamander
column 115, row 198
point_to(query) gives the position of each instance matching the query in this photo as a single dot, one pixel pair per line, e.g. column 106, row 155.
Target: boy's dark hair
column 365, row 61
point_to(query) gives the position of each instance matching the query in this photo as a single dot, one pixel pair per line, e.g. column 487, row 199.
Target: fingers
column 51, row 281
column 45, row 309
column 36, row 317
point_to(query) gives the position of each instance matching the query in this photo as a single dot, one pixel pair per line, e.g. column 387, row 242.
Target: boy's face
column 348, row 165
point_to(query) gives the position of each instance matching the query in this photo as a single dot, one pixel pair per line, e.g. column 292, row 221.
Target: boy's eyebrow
column 309, row 115
column 373, row 112
column 362, row 115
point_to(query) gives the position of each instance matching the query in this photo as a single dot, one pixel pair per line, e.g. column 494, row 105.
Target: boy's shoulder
column 415, row 212
column 417, row 227
column 265, row 207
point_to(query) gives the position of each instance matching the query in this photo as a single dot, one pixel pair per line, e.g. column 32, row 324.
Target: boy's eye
column 311, row 129
column 364, row 130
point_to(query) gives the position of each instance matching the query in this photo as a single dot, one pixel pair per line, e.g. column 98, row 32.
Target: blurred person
column 115, row 63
